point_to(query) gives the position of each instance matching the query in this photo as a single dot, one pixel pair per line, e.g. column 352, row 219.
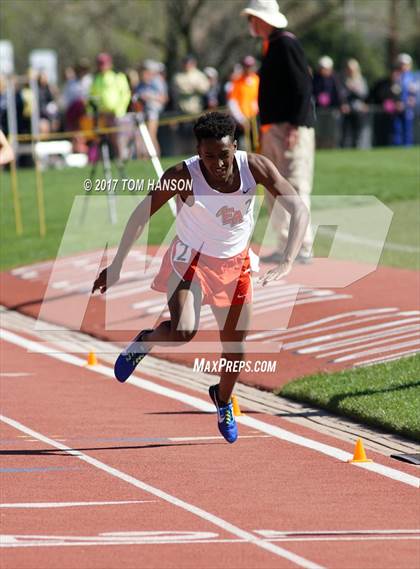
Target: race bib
column 182, row 253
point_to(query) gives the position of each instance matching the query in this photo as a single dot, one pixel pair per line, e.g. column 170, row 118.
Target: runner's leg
column 233, row 323
column 184, row 302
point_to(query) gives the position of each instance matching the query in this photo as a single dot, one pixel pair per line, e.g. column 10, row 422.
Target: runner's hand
column 106, row 279
column 277, row 273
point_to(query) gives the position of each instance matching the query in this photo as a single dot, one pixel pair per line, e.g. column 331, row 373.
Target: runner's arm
column 154, row 200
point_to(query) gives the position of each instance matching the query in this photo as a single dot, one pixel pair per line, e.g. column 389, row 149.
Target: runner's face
column 217, row 156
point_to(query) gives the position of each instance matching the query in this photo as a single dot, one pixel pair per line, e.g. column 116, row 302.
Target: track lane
column 73, row 403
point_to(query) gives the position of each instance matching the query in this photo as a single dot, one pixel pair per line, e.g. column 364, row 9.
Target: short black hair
column 215, row 125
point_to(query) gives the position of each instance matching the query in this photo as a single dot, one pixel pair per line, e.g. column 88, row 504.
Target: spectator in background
column 355, row 93
column 4, row 123
column 403, row 125
column 189, row 86
column 109, row 91
column 234, row 74
column 211, row 99
column 69, row 92
column 3, row 104
column 152, row 94
column 385, row 95
column 327, row 90
column 84, row 78
column 133, row 78
column 188, row 89
column 75, row 99
column 27, row 97
column 286, row 115
column 328, row 95
column 109, row 96
column 47, row 104
column 243, row 99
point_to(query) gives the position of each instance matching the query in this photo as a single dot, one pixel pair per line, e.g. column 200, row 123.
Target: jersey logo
column 246, row 191
column 230, row 216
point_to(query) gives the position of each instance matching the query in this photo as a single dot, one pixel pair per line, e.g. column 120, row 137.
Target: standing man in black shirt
column 286, row 114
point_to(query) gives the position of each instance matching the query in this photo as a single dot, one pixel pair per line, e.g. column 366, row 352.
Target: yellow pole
column 247, row 133
column 40, row 197
column 255, row 139
column 16, row 200
column 35, row 138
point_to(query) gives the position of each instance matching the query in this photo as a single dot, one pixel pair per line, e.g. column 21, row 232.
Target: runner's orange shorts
column 224, row 282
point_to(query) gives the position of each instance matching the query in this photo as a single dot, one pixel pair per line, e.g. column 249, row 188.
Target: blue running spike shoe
column 225, row 417
column 128, row 360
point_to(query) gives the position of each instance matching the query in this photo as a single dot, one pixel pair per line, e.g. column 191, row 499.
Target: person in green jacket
column 109, row 96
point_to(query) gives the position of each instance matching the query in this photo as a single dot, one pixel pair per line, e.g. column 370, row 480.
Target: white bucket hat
column 404, row 59
column 266, row 10
column 325, row 62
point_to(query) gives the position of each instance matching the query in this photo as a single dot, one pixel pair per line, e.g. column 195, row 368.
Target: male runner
column 208, row 261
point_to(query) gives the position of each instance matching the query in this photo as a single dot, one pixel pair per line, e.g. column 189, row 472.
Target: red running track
column 330, row 326
column 273, row 490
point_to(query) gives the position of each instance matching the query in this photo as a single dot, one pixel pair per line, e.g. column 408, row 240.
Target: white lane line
column 351, row 538
column 276, row 533
column 389, row 341
column 114, row 538
column 60, row 284
column 79, row 260
column 211, row 438
column 273, row 296
column 352, row 332
column 202, row 405
column 390, row 358
column 300, row 294
column 274, row 299
column 173, row 500
column 360, row 339
column 374, row 351
column 85, row 257
column 312, row 300
column 269, row 300
column 76, row 285
column 128, row 290
column 262, row 308
column 150, row 302
column 280, row 290
column 308, row 328
column 348, row 238
column 27, row 275
column 328, row 450
column 164, row 538
column 288, row 301
column 36, row 505
column 15, row 374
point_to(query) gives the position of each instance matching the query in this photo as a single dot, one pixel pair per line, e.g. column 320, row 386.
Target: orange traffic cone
column 359, row 453
column 236, row 409
column 91, row 360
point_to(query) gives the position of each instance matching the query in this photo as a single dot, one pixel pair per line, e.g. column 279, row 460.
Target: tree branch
column 227, row 48
column 324, row 10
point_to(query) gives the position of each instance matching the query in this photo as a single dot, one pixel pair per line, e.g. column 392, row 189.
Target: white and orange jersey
column 217, row 224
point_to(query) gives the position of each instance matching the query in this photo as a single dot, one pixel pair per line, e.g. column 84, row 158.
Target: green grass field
column 389, row 174
column 383, row 395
